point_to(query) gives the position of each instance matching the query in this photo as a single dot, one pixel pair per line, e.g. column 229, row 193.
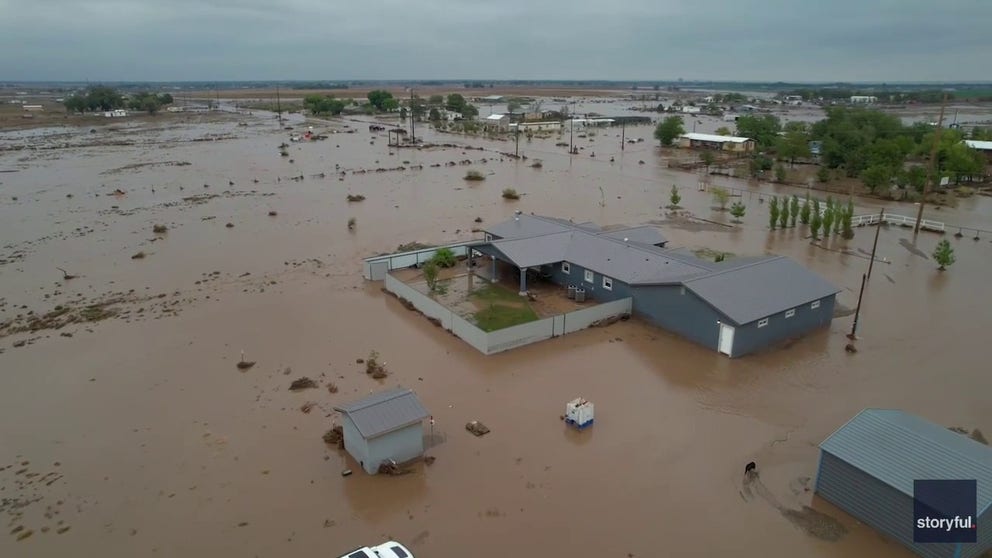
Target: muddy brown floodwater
column 129, row 431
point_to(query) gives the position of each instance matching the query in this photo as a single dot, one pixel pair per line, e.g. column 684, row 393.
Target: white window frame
column 607, row 283
column 762, row 322
column 790, row 313
column 590, row 277
column 565, row 268
column 814, row 305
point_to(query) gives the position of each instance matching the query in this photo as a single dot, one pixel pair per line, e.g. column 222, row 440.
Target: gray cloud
column 863, row 40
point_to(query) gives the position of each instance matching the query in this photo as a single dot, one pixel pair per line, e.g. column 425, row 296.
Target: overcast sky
column 753, row 40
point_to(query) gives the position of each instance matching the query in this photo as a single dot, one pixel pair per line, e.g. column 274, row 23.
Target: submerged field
column 128, row 429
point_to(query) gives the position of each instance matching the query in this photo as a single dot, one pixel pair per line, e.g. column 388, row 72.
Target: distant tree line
column 323, row 104
column 888, row 96
column 103, row 98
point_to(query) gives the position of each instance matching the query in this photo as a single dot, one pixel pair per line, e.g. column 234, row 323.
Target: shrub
column 474, row 175
column 721, row 196
column 675, row 198
column 823, row 175
column 160, row 229
column 510, row 194
column 943, row 254
column 444, row 257
column 737, row 209
column 351, row 223
column 356, row 197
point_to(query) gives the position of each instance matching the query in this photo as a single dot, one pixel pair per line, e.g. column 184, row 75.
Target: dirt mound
column 302, row 383
column 816, row 524
column 477, row 428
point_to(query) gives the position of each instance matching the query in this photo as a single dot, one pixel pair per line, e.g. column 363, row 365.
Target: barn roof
column 384, row 412
column 897, row 448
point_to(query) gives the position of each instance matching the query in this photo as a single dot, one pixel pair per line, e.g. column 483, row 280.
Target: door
column 726, row 343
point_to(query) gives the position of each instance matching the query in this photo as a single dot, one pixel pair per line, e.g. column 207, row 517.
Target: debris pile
column 374, row 368
column 477, row 428
column 335, row 436
column 302, row 383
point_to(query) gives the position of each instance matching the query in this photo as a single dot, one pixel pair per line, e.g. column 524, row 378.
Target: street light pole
column 933, row 166
column 878, row 229
column 623, row 133
column 857, row 311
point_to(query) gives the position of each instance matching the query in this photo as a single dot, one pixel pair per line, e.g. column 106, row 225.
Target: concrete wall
column 879, row 505
column 680, row 311
column 749, row 338
column 354, row 443
column 399, row 445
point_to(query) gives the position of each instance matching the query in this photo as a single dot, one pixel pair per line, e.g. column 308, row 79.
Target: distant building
column 536, row 126
column 863, row 99
column 689, row 109
column 720, row 143
column 497, row 122
column 983, row 146
column 492, row 99
column 384, row 427
column 869, row 466
column 33, row 108
column 116, row 113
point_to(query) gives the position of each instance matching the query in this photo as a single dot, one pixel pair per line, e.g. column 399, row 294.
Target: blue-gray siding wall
column 399, row 445
column 680, row 311
column 749, row 338
column 883, row 508
column 595, row 289
column 354, row 443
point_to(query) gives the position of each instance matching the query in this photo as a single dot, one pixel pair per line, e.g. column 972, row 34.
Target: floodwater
column 140, row 435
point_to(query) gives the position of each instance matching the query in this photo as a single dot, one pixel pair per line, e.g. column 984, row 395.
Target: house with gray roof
column 868, row 467
column 383, row 427
column 736, row 307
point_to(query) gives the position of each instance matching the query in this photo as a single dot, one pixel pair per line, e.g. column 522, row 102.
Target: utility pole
column 413, row 118
column 933, row 165
column 623, row 133
column 857, row 311
column 516, row 150
column 278, row 105
column 878, row 229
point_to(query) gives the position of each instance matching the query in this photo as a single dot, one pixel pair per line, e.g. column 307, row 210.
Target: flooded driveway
column 127, row 429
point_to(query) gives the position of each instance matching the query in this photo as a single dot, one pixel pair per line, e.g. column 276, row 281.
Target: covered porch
column 490, row 263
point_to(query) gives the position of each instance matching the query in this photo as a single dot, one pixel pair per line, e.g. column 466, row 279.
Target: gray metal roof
column 384, row 412
column 525, row 226
column 750, row 292
column 644, row 234
column 897, row 448
column 535, row 250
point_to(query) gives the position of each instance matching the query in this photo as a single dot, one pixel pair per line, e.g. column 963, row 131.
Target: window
column 398, row 551
column 590, row 277
column 682, row 291
column 489, row 237
column 790, row 313
column 607, row 283
column 763, row 322
column 565, row 268
column 815, row 305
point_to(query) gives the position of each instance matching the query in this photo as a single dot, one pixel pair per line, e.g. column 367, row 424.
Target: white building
column 689, row 109
column 863, row 99
column 116, row 113
column 536, row 126
column 497, row 122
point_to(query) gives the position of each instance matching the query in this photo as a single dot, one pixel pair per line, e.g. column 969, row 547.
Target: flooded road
column 139, row 434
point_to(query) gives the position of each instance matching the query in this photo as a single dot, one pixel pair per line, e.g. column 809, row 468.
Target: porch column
column 495, row 280
column 471, row 252
column 523, row 281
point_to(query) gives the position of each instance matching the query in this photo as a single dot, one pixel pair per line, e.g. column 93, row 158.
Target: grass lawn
column 498, row 316
column 501, row 308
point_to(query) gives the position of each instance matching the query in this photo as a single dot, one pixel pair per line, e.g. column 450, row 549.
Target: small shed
column 868, row 468
column 385, row 426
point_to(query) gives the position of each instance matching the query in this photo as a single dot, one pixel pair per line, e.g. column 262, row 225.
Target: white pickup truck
column 391, row 549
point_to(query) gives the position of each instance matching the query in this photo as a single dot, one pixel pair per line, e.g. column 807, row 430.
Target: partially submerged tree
column 828, row 217
column 943, row 255
column 431, row 272
column 794, row 210
column 780, row 173
column 675, row 197
column 804, row 213
column 773, row 213
column 323, row 104
column 815, row 220
column 721, row 196
column 707, row 159
column 783, row 216
column 737, row 209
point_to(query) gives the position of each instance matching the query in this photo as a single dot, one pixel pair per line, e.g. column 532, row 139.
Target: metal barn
column 383, row 427
column 867, row 468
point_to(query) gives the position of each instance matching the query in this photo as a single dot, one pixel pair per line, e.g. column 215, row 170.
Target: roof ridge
column 385, row 396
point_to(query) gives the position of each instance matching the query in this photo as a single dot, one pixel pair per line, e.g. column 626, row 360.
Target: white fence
column 511, row 337
column 376, row 268
column 901, row 220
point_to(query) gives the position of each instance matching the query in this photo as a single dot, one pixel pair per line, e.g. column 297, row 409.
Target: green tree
column 914, row 177
column 435, row 100
column 876, row 177
column 779, row 173
column 943, row 255
column 323, row 104
column 707, row 158
column 145, row 101
column 456, row 103
column 804, row 213
column 961, row 161
column 847, row 228
column 417, row 108
column 721, row 196
column 773, row 211
column 724, row 131
column 762, row 129
column 101, row 97
column 669, row 129
column 380, row 100
column 431, row 272
column 434, row 115
column 794, row 210
column 513, row 105
column 675, row 197
column 737, row 209
column 795, row 143
column 783, row 213
column 445, row 257
column 403, row 114
column 828, row 217
column 823, row 174
column 76, row 103
column 815, row 220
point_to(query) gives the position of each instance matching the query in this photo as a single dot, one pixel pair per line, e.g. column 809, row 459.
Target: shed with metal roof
column 384, row 427
column 869, row 465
